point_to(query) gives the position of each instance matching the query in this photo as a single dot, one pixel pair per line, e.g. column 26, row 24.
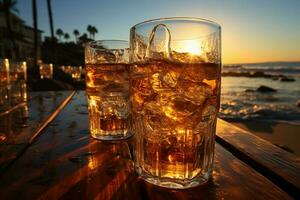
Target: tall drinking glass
column 175, row 94
column 107, row 87
column 18, row 78
column 4, row 85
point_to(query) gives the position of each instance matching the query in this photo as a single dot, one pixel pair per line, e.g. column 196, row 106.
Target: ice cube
column 142, row 91
column 171, row 151
column 142, row 85
column 159, row 43
column 105, row 109
column 121, row 108
column 139, row 99
column 157, row 122
column 157, row 84
column 103, row 56
column 197, row 93
column 122, row 55
column 152, row 107
column 170, row 78
column 178, row 108
column 155, row 117
column 139, row 47
column 164, row 97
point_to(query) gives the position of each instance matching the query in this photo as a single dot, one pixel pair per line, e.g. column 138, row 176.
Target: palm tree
column 50, row 18
column 6, row 6
column 35, row 28
column 83, row 38
column 94, row 31
column 89, row 30
column 67, row 37
column 59, row 33
column 76, row 33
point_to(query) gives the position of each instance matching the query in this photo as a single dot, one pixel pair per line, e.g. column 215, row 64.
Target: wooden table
column 55, row 158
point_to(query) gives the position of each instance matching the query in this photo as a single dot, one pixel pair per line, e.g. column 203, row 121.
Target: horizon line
column 280, row 61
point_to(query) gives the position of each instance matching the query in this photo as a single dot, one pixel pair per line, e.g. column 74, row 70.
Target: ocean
column 281, row 106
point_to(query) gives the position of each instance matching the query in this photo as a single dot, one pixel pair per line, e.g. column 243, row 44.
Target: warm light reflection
column 92, row 163
column 24, row 69
column 93, row 102
column 90, row 82
column 2, row 137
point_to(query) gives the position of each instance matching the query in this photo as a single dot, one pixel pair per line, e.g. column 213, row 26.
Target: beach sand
column 284, row 134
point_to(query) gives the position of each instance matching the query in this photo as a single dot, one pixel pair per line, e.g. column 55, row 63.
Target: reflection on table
column 13, row 122
column 13, row 87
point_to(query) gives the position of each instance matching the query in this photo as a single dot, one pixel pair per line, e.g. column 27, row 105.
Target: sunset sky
column 252, row 30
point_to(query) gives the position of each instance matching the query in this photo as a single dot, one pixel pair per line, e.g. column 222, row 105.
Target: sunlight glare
column 192, row 47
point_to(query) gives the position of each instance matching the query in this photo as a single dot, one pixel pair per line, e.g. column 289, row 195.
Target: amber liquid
column 108, row 100
column 174, row 109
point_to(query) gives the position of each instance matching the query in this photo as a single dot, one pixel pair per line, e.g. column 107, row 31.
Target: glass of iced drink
column 76, row 73
column 107, row 87
column 18, row 78
column 175, row 94
column 4, row 72
column 4, row 85
column 17, row 71
column 46, row 71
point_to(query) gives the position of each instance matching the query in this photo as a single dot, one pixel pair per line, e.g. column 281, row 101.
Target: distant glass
column 107, row 87
column 46, row 71
column 175, row 85
column 76, row 73
column 18, row 86
column 4, row 72
column 4, row 85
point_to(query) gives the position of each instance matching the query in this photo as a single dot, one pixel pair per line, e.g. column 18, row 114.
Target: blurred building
column 23, row 35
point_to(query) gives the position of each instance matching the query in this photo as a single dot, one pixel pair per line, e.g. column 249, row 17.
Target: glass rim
column 196, row 19
column 97, row 42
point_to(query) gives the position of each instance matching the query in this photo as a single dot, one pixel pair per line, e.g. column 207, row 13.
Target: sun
column 191, row 47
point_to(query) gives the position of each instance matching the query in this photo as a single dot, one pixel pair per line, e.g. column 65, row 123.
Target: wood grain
column 23, row 124
column 281, row 167
column 65, row 163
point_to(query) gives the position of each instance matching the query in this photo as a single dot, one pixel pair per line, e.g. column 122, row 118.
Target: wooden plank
column 23, row 124
column 281, row 167
column 66, row 163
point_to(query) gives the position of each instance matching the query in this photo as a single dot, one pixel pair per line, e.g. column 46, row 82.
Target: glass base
column 110, row 137
column 176, row 183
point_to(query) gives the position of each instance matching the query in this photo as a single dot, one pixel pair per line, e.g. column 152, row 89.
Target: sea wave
column 262, row 114
column 238, row 104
